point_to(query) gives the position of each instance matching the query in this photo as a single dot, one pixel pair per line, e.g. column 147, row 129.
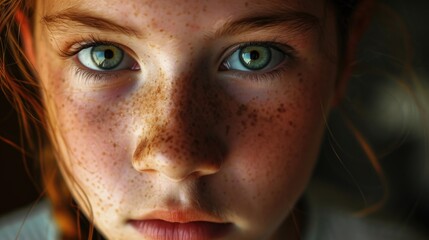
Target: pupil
column 254, row 55
column 108, row 54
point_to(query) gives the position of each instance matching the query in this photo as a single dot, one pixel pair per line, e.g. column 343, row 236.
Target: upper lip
column 180, row 216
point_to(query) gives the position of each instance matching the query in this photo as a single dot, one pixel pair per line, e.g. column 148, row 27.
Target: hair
column 20, row 84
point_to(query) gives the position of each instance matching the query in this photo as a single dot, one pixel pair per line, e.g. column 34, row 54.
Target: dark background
column 386, row 113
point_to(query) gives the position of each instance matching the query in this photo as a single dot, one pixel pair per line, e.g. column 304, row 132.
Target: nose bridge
column 181, row 142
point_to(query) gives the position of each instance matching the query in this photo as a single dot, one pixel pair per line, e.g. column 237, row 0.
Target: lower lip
column 163, row 230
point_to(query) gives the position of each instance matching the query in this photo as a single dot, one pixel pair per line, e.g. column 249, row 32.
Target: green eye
column 106, row 57
column 255, row 57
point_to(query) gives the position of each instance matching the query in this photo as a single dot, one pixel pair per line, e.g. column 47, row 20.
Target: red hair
column 19, row 82
column 21, row 87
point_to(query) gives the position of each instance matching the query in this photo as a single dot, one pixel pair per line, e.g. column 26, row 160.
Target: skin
column 179, row 133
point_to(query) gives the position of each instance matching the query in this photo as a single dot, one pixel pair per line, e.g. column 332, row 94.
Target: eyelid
column 75, row 47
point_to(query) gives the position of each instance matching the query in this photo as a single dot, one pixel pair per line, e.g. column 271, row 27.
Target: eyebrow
column 294, row 20
column 86, row 19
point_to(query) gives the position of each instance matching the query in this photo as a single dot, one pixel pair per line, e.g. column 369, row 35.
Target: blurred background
column 387, row 101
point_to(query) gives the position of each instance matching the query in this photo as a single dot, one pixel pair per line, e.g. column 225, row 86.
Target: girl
column 182, row 119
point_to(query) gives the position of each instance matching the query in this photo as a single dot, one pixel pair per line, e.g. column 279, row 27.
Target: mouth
column 180, row 225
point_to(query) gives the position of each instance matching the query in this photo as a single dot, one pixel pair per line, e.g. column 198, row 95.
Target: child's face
column 201, row 111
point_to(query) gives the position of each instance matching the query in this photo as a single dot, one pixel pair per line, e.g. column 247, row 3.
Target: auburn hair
column 19, row 82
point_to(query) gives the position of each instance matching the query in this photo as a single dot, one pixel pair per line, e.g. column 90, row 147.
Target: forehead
column 170, row 13
column 186, row 7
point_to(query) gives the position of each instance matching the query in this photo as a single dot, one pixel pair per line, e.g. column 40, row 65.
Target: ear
column 359, row 23
column 26, row 36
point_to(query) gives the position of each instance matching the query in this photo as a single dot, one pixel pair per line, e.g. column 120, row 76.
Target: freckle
column 241, row 109
column 281, row 108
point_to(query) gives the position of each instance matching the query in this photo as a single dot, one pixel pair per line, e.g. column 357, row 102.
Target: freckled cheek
column 283, row 144
column 96, row 134
column 273, row 147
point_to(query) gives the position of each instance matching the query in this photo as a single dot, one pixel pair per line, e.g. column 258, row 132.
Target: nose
column 178, row 157
column 180, row 142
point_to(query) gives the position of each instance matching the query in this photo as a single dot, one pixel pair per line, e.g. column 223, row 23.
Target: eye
column 254, row 57
column 106, row 58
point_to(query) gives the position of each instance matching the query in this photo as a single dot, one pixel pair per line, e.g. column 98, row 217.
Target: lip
column 180, row 225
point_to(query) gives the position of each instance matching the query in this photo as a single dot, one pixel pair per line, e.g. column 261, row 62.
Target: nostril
column 175, row 169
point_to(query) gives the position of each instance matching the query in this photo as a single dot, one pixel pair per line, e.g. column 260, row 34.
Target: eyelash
column 263, row 77
column 75, row 47
column 91, row 75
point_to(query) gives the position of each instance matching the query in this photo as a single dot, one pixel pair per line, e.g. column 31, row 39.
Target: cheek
column 98, row 144
column 96, row 134
column 273, row 147
column 90, row 130
column 93, row 138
